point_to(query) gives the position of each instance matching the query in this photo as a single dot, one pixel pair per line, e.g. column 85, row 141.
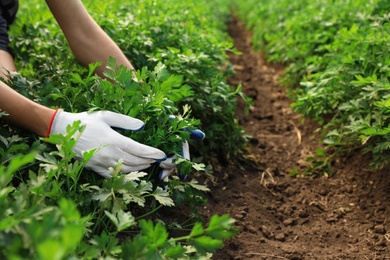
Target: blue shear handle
column 196, row 134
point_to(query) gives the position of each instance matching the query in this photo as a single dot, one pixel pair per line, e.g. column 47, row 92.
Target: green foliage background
column 337, row 61
column 51, row 207
column 187, row 37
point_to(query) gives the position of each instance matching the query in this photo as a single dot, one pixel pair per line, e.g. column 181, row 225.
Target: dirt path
column 344, row 216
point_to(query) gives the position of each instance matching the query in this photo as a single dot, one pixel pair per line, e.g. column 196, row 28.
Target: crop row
column 337, row 65
column 51, row 207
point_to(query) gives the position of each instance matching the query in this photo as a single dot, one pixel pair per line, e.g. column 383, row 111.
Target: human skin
column 88, row 42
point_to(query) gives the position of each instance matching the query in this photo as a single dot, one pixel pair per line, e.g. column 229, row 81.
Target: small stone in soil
column 289, row 222
column 303, row 213
column 323, row 192
column 303, row 221
column 379, row 229
column 250, row 229
column 280, row 237
column 266, row 232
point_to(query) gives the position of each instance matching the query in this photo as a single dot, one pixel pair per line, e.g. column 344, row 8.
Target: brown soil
column 341, row 216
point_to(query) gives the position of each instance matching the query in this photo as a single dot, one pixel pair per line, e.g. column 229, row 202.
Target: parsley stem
column 150, row 212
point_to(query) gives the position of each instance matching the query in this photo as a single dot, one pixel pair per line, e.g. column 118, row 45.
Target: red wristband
column 51, row 122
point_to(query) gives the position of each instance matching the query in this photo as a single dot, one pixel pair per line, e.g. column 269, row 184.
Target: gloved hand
column 112, row 145
column 168, row 166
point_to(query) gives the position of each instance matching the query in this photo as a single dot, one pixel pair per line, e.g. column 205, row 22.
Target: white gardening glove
column 168, row 166
column 111, row 145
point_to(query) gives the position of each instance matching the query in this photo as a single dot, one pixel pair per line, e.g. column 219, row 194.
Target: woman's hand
column 111, row 145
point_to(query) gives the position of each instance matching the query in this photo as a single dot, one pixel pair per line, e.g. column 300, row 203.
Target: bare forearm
column 24, row 112
column 88, row 41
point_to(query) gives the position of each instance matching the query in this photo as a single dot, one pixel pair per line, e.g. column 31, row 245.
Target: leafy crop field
column 51, row 207
column 337, row 68
column 337, row 62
